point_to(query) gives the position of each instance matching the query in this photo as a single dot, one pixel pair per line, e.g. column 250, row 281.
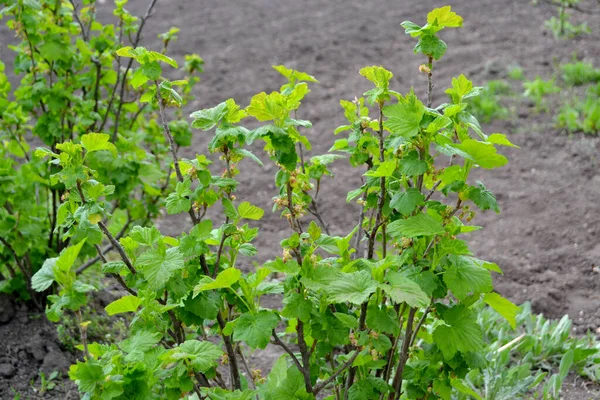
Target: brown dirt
column 545, row 239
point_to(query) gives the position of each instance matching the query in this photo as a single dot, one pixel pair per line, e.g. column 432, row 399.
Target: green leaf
column 202, row 355
column 354, row 288
column 483, row 198
column 97, row 141
column 431, row 45
column 484, row 154
column 407, row 202
column 229, row 209
column 461, row 332
column 382, row 320
column 44, row 277
column 461, row 86
column 267, row 107
column 158, row 266
column 87, row 375
column 296, row 306
column 225, row 279
column 123, row 305
column 500, row 139
column 348, row 321
column 412, row 165
column 418, row 225
column 444, row 17
column 178, row 201
column 465, row 277
column 255, row 329
column 386, row 168
column 462, row 387
column 248, row 211
column 403, row 290
column 208, row 118
column 147, row 236
column 139, row 343
column 378, row 75
column 293, row 75
column 404, row 117
column 503, row 306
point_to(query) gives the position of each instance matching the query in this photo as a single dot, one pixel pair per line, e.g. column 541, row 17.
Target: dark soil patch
column 545, row 239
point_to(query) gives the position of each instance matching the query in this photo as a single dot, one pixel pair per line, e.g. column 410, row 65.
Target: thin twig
column 341, row 369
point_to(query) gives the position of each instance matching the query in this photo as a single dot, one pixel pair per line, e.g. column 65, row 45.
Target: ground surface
column 545, row 239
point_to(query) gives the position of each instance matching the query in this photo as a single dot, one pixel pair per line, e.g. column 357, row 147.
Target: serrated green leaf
column 461, row 332
column 407, row 202
column 202, row 355
column 293, row 75
column 354, row 288
column 484, row 154
column 178, row 201
column 296, row 306
column 224, row 279
column 123, row 305
column 386, row 168
column 403, row 290
column 483, row 198
column 444, row 17
column 465, row 276
column 418, row 225
column 431, row 45
column 255, row 329
column 139, row 343
column 158, row 266
column 208, row 118
column 412, row 165
column 404, row 118
column 248, row 211
column 97, row 141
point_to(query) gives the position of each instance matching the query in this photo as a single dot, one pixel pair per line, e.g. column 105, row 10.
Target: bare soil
column 545, row 239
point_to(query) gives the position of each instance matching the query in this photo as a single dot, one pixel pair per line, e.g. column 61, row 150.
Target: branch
column 280, row 343
column 341, row 369
column 397, row 383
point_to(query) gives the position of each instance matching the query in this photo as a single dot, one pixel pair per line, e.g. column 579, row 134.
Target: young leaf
column 404, row 118
column 248, row 211
column 484, row 154
column 202, row 355
column 444, row 17
column 123, row 305
column 225, row 279
column 97, row 141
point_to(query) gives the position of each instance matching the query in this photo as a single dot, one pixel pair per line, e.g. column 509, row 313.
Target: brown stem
column 305, row 356
column 381, row 201
column 397, row 383
column 233, row 367
column 280, row 343
column 429, row 81
column 82, row 333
